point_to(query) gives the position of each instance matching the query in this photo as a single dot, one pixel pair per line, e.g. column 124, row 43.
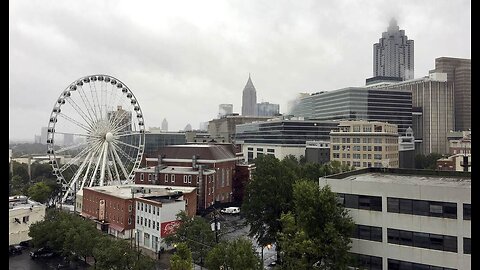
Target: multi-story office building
column 393, row 54
column 407, row 219
column 359, row 103
column 156, row 140
column 433, row 95
column 122, row 117
column 267, row 109
column 223, row 129
column 43, row 135
column 459, row 71
column 363, row 144
column 249, row 99
column 224, row 109
column 22, row 212
column 281, row 137
column 458, row 162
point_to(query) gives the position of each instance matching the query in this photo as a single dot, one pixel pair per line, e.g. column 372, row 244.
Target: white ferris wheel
column 96, row 134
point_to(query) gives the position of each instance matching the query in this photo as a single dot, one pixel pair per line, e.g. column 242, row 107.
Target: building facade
column 317, row 152
column 359, row 103
column 407, row 219
column 393, row 54
column 208, row 167
column 280, row 137
column 459, row 71
column 406, row 150
column 224, row 109
column 22, row 212
column 434, row 96
column 249, row 99
column 223, row 129
column 363, row 144
column 156, row 140
column 268, row 109
column 113, row 208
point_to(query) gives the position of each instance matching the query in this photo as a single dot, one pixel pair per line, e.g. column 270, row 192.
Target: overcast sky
column 181, row 59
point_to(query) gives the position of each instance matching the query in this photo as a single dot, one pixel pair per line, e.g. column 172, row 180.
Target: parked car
column 15, row 249
column 42, row 253
column 230, row 210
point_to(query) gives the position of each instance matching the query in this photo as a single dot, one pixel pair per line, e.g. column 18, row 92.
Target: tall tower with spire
column 249, row 99
column 393, row 54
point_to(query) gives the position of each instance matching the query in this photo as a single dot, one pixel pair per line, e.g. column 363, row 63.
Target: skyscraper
column 267, row 109
column 249, row 100
column 164, row 125
column 43, row 136
column 393, row 54
column 459, row 71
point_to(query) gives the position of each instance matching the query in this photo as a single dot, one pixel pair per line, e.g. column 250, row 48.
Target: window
column 129, row 220
column 149, row 223
column 372, row 203
column 403, row 265
column 130, row 208
column 422, row 240
column 189, row 179
column 141, row 221
column 157, row 226
column 368, row 233
column 259, row 149
column 172, row 178
column 421, row 208
column 467, row 245
column 142, row 206
column 377, row 148
column 25, row 219
column 405, row 206
column 393, row 205
column 149, row 209
column 467, row 211
column 270, row 150
column 436, row 209
column 186, row 202
column 361, row 261
column 138, row 220
column 351, row 201
column 377, row 156
column 185, row 179
column 154, row 209
column 141, row 177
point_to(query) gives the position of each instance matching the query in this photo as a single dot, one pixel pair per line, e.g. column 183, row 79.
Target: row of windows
column 365, row 202
column 365, row 232
column 422, row 207
column 148, row 223
column 148, row 208
column 403, row 265
column 366, row 262
column 422, row 240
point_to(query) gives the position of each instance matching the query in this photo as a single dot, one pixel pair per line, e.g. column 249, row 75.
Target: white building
column 406, row 220
column 22, row 213
column 156, row 218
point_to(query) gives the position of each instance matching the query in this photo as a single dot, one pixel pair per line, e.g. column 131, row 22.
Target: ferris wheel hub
column 109, row 137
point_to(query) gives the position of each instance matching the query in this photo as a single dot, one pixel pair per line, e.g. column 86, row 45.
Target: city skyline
column 182, row 62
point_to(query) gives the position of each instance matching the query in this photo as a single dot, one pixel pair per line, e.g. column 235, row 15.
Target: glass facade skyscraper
column 358, row 103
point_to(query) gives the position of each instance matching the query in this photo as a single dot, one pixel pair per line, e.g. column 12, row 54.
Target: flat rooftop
column 21, row 202
column 125, row 191
column 173, row 169
column 407, row 176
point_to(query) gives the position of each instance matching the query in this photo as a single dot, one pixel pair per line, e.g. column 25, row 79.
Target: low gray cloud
column 183, row 58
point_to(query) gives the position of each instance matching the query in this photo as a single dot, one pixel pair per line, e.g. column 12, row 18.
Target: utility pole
column 75, row 198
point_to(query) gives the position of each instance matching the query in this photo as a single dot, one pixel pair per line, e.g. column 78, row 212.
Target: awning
column 116, row 227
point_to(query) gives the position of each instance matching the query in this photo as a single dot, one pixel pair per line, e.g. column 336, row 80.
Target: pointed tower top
column 249, row 83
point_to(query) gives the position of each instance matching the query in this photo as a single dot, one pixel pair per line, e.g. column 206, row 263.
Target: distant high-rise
column 224, row 109
column 459, row 71
column 188, row 127
column 393, row 54
column 164, row 125
column 67, row 139
column 43, row 136
column 249, row 99
column 122, row 118
column 267, row 109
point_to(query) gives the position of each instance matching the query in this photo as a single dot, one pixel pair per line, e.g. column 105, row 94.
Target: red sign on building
column 170, row 227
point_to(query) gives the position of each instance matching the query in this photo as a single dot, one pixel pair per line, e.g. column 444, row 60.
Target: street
column 24, row 262
column 233, row 227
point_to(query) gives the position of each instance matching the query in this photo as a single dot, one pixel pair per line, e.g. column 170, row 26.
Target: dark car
column 15, row 249
column 42, row 253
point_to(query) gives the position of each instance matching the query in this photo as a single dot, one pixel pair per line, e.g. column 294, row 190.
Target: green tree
column 196, row 233
column 322, row 230
column 40, row 192
column 428, row 162
column 237, row 254
column 268, row 195
column 17, row 185
column 182, row 259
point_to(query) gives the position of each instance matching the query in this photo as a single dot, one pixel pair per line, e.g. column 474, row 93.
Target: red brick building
column 113, row 207
column 208, row 167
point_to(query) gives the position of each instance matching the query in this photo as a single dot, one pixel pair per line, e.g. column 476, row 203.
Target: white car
column 230, row 210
